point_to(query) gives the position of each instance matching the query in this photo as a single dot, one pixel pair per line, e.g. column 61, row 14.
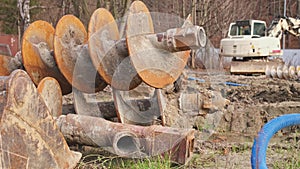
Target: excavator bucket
column 29, row 136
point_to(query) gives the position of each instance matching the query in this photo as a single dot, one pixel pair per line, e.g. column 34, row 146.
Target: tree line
column 214, row 15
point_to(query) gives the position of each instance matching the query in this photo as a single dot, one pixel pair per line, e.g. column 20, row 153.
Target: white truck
column 250, row 47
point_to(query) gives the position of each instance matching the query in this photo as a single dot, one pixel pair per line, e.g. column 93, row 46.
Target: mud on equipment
column 156, row 59
column 37, row 54
column 260, row 145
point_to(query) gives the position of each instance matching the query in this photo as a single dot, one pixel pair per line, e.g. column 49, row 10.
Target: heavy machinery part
column 144, row 112
column 109, row 54
column 8, row 64
column 252, row 67
column 29, row 136
column 37, row 54
column 50, row 91
column 283, row 25
column 282, row 71
column 87, row 104
column 150, row 54
column 4, row 69
column 72, row 55
column 128, row 140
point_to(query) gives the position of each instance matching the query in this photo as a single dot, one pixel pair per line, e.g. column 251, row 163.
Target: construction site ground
column 230, row 111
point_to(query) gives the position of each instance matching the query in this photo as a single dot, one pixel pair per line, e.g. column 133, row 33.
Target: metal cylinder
column 128, row 140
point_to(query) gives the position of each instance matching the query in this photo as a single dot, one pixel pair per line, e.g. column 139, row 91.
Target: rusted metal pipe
column 128, row 140
column 179, row 39
column 173, row 40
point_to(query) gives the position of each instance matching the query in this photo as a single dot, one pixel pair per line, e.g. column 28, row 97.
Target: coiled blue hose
column 260, row 145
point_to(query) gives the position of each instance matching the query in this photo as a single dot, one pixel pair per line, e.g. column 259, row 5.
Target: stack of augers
column 34, row 132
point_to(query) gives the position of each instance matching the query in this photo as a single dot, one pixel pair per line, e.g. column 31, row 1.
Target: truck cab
column 248, row 39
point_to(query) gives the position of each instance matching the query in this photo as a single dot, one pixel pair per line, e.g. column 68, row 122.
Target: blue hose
column 260, row 145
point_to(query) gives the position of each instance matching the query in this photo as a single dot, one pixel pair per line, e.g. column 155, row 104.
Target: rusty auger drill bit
column 29, row 135
column 159, row 58
column 38, row 56
column 72, row 55
column 143, row 56
column 156, row 59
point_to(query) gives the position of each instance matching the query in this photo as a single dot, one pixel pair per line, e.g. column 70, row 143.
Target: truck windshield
column 240, row 30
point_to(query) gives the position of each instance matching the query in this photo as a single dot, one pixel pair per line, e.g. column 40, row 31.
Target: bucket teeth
column 285, row 72
column 273, row 72
column 298, row 71
column 268, row 71
column 292, row 72
column 279, row 72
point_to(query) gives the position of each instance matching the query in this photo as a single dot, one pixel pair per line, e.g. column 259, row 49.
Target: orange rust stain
column 4, row 69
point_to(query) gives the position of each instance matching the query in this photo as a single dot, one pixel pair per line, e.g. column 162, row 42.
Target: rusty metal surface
column 144, row 112
column 29, row 135
column 109, row 53
column 72, row 55
column 4, row 68
column 9, row 64
column 185, row 38
column 38, row 43
column 157, row 67
column 128, row 140
column 50, row 91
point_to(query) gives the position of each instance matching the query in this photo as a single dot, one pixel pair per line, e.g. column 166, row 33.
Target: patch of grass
column 103, row 162
column 289, row 165
column 286, row 155
column 95, row 161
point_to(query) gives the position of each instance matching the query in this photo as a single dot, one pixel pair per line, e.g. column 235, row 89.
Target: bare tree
column 298, row 8
column 24, row 20
column 23, row 6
